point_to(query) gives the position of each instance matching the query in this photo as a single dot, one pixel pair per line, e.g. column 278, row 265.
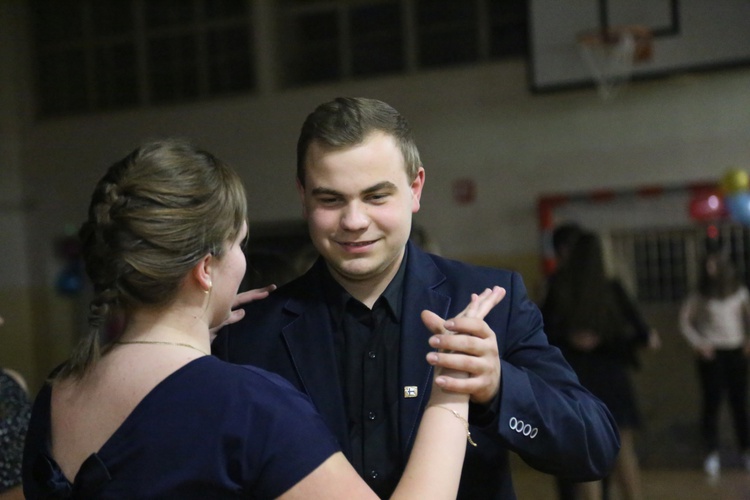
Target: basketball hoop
column 611, row 53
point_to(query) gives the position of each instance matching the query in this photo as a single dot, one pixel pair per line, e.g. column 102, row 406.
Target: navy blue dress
column 209, row 430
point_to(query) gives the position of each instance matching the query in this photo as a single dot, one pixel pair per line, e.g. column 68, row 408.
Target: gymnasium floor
column 658, row 484
column 669, row 443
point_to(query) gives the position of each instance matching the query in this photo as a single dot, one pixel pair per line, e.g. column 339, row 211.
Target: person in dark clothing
column 148, row 413
column 590, row 316
column 15, row 409
column 348, row 332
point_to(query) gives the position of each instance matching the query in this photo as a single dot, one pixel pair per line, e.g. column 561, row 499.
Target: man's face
column 358, row 203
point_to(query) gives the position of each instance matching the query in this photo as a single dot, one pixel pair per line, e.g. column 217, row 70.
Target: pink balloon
column 707, row 205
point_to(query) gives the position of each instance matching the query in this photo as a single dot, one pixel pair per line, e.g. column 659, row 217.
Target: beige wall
column 17, row 336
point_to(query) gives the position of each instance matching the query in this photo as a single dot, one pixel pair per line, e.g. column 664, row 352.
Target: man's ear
column 416, row 190
column 202, row 272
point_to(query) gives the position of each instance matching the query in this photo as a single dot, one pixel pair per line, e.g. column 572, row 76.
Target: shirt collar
column 337, row 297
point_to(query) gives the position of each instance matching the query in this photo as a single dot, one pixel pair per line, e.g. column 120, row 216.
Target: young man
column 349, row 334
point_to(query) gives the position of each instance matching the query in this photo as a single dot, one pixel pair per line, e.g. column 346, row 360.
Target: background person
column 15, row 409
column 148, row 413
column 564, row 237
column 591, row 318
column 714, row 320
column 348, row 331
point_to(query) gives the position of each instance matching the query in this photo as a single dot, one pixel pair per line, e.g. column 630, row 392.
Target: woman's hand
column 467, row 363
column 242, row 299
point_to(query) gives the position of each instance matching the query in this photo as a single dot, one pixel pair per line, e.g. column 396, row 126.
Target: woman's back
column 264, row 437
column 85, row 413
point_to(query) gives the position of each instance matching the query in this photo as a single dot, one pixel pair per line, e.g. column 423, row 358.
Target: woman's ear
column 202, row 272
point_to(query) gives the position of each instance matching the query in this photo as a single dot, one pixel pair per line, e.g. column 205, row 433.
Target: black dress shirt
column 367, row 349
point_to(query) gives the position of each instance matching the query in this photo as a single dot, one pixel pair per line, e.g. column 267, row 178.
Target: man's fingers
column 448, row 364
column 455, row 361
column 469, row 342
column 459, row 385
column 433, row 322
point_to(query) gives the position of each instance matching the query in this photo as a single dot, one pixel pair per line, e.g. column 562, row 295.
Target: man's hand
column 240, row 299
column 475, row 352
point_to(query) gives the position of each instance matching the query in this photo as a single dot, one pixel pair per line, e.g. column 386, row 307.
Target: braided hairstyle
column 153, row 216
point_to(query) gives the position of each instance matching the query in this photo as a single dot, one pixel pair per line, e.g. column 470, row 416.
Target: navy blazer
column 542, row 413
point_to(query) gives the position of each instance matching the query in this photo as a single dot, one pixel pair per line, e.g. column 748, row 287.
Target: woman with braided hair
column 142, row 411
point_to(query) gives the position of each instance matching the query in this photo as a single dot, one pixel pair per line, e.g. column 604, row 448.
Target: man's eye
column 379, row 197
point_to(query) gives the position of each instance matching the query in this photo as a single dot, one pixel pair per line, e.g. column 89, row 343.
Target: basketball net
column 611, row 54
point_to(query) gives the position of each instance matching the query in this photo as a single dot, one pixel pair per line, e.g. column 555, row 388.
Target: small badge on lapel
column 410, row 391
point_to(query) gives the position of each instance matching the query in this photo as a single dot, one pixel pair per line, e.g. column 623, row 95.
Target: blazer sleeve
column 544, row 414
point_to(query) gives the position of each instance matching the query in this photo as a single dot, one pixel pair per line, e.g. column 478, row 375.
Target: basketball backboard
column 688, row 35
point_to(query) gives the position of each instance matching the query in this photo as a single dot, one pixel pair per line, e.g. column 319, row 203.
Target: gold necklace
column 160, row 342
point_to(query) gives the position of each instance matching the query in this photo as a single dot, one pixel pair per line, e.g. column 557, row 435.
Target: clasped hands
column 470, row 362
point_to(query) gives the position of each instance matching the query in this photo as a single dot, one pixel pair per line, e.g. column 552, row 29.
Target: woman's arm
column 687, row 315
column 746, row 320
column 434, row 467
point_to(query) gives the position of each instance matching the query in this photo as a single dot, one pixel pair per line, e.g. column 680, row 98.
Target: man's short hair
column 348, row 121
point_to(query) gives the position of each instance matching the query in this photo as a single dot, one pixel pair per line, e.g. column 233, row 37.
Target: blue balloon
column 738, row 206
column 70, row 280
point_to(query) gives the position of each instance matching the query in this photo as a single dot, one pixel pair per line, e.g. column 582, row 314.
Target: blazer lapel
column 310, row 342
column 422, row 278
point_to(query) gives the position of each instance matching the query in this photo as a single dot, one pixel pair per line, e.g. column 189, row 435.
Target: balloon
column 707, row 205
column 734, row 181
column 738, row 206
column 70, row 280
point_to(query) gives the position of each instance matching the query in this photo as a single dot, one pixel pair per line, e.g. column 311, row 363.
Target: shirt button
column 372, row 415
column 371, row 355
column 374, row 474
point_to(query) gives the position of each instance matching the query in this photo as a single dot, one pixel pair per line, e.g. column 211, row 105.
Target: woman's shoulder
column 737, row 298
column 243, row 372
column 253, row 384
